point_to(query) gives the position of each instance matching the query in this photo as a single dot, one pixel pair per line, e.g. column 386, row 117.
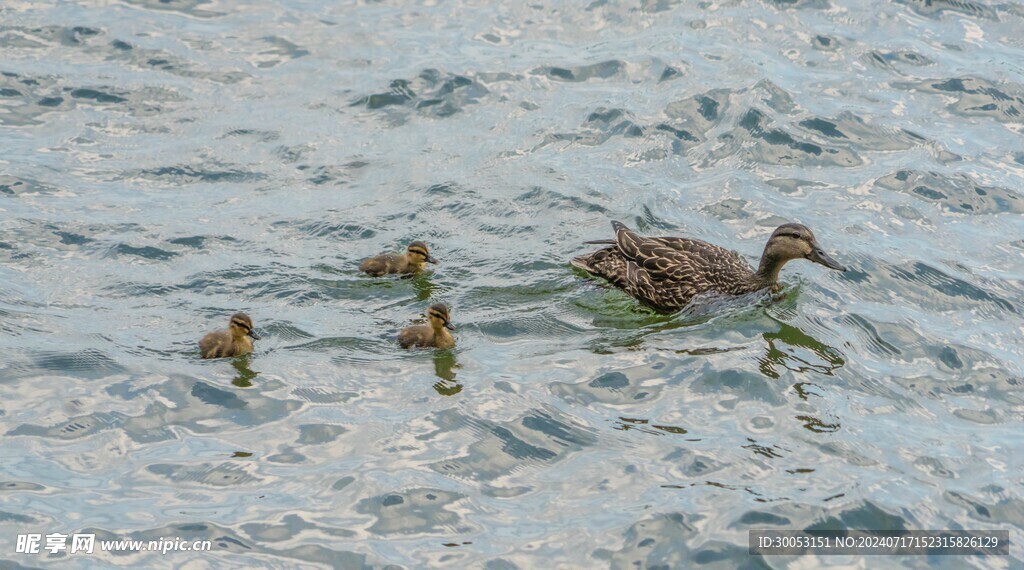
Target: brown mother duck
column 665, row 273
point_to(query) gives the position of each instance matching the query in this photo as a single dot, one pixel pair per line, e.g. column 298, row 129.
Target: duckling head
column 241, row 325
column 437, row 314
column 419, row 253
column 793, row 241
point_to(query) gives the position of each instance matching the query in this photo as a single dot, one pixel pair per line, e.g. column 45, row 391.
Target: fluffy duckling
column 431, row 335
column 665, row 273
column 409, row 262
column 235, row 341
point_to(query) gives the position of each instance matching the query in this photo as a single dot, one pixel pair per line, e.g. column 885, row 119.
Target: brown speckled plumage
column 235, row 341
column 432, row 335
column 665, row 273
column 409, row 262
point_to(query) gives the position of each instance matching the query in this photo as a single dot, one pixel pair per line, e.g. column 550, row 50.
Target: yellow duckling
column 409, row 262
column 434, row 334
column 235, row 341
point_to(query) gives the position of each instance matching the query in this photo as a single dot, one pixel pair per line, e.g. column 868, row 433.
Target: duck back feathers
column 384, row 264
column 425, row 336
column 221, row 344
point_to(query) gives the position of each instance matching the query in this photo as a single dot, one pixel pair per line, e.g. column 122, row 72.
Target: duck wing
column 627, row 240
column 667, row 272
column 651, row 271
column 664, row 296
column 666, row 259
column 684, row 245
column 654, row 258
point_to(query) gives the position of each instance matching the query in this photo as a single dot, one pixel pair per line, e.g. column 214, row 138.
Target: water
column 169, row 163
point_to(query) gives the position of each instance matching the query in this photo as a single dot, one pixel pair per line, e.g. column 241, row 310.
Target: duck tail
column 583, row 262
column 626, row 239
column 600, row 242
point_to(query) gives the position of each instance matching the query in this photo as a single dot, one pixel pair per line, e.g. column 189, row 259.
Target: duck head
column 241, row 325
column 792, row 241
column 419, row 253
column 438, row 316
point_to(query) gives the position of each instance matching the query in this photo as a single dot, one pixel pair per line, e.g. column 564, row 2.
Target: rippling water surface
column 167, row 163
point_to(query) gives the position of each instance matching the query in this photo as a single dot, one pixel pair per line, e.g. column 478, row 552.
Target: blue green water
column 167, row 163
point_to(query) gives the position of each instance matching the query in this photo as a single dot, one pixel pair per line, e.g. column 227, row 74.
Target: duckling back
column 419, row 335
column 221, row 344
column 424, row 336
column 384, row 264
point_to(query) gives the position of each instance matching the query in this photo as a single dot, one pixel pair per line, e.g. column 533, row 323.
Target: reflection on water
column 817, row 425
column 444, row 368
column 645, row 426
column 783, row 350
column 245, row 374
column 422, row 285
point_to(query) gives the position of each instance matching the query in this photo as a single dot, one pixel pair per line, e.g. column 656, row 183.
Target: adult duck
column 666, row 273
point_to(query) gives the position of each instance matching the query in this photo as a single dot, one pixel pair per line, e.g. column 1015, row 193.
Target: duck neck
column 767, row 274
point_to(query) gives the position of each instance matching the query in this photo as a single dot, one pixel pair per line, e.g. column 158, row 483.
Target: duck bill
column 253, row 335
column 432, row 259
column 449, row 326
column 818, row 255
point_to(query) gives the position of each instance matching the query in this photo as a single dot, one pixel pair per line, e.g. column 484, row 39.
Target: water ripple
column 168, row 163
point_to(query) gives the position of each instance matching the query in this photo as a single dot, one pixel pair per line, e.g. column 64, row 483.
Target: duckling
column 432, row 334
column 665, row 273
column 235, row 341
column 409, row 262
